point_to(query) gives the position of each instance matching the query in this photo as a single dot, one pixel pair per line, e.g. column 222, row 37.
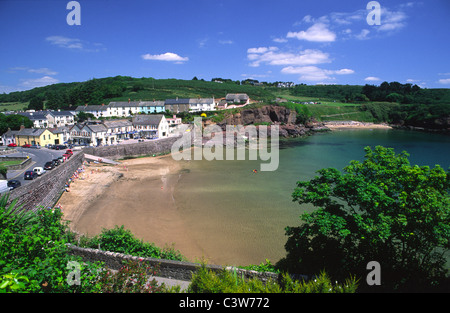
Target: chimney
column 174, row 116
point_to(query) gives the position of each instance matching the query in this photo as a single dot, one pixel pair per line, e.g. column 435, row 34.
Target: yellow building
column 36, row 136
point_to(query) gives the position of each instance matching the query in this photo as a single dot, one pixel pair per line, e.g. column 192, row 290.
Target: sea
column 238, row 213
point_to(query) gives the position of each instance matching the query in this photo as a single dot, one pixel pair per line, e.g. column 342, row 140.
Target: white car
column 39, row 170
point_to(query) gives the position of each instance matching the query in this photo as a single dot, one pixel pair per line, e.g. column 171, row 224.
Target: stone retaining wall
column 46, row 189
column 147, row 147
column 166, row 268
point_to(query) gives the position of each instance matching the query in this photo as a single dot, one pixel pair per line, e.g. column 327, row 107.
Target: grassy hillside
column 385, row 103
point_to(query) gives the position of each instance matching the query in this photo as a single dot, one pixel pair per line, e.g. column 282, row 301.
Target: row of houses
column 95, row 133
column 177, row 105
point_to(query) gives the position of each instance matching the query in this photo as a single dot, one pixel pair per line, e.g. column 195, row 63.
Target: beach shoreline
column 337, row 125
column 105, row 196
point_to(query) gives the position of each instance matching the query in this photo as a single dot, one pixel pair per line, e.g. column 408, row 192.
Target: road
column 39, row 158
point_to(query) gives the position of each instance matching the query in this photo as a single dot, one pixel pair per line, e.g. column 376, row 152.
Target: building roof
column 177, row 101
column 59, row 113
column 117, row 104
column 91, row 108
column 34, row 132
column 117, row 123
column 147, row 119
column 236, row 96
column 39, row 115
column 201, row 100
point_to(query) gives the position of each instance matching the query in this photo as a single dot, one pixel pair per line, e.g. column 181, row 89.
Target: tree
column 382, row 209
column 36, row 103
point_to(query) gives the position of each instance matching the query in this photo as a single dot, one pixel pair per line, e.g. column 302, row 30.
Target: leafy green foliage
column 33, row 252
column 382, row 209
column 208, row 281
column 132, row 277
column 119, row 239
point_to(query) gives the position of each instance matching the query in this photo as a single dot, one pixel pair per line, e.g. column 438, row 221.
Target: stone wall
column 166, row 268
column 46, row 189
column 25, row 162
column 146, row 147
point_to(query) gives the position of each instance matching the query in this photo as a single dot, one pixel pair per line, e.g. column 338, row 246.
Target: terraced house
column 35, row 136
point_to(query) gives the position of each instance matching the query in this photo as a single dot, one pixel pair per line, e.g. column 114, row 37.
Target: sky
column 302, row 41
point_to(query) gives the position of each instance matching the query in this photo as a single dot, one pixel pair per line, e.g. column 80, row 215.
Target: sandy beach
column 104, row 196
column 355, row 125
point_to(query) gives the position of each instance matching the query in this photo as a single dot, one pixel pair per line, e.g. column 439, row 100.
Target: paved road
column 38, row 156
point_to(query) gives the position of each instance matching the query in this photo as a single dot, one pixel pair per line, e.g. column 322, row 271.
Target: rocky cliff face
column 273, row 115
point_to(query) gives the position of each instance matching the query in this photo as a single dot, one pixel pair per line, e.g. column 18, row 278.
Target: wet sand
column 138, row 194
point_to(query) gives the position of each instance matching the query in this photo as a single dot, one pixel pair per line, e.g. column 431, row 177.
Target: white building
column 151, row 126
column 202, row 104
column 60, row 118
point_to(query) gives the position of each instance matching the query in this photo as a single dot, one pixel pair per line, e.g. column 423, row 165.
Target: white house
column 151, row 126
column 96, row 110
column 60, row 118
column 202, row 104
column 89, row 134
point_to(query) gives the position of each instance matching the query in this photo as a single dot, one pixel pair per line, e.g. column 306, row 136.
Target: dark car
column 49, row 166
column 14, row 183
column 30, row 175
column 60, row 147
column 56, row 162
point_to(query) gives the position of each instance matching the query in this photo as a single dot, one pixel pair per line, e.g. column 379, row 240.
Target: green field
column 13, row 106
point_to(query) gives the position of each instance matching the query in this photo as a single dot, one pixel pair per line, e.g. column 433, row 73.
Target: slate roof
column 34, row 132
column 147, row 119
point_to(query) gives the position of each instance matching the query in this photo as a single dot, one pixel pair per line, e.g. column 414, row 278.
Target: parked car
column 39, row 170
column 61, row 159
column 12, row 144
column 56, row 162
column 60, row 147
column 4, row 188
column 30, row 175
column 67, row 156
column 49, row 166
column 14, row 183
column 27, row 145
column 36, row 146
column 69, row 151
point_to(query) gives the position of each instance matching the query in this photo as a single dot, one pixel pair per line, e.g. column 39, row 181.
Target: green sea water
column 238, row 217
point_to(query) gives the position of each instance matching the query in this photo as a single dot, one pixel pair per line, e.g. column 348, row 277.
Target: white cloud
column 39, row 82
column 344, row 71
column 42, row 70
column 226, row 42
column 261, row 49
column 444, row 81
column 75, row 44
column 272, row 56
column 168, row 56
column 280, row 40
column 318, row 32
column 392, row 20
column 65, row 42
column 371, row 78
column 363, row 34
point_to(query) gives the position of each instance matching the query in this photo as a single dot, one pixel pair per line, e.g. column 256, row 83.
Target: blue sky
column 311, row 42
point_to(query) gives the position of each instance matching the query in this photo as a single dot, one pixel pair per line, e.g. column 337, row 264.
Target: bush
column 33, row 252
column 121, row 240
column 207, row 281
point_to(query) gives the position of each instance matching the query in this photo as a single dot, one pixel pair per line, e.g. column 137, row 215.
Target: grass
column 11, row 162
column 13, row 106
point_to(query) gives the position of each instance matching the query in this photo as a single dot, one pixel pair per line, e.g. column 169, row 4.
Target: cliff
column 273, row 115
